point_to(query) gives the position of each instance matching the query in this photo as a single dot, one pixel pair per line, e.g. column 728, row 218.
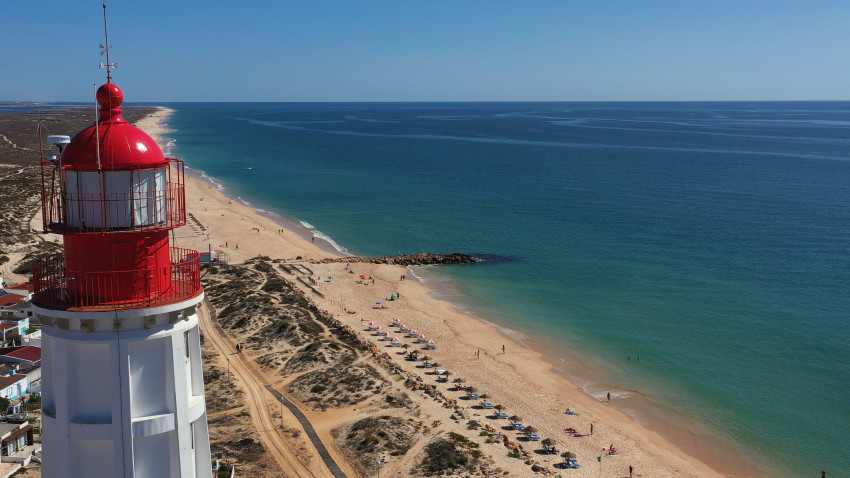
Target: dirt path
column 256, row 396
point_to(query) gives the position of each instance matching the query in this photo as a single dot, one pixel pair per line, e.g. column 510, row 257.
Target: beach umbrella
column 362, row 276
column 394, row 339
column 515, row 418
column 458, row 380
column 396, row 320
column 568, row 455
column 385, row 333
column 530, row 430
column 431, row 342
column 471, row 389
column 483, row 396
column 447, row 373
column 548, row 441
column 379, row 328
column 421, row 336
column 413, row 332
column 371, row 324
column 499, row 407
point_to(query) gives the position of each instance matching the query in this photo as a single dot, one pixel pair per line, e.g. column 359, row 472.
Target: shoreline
column 540, row 370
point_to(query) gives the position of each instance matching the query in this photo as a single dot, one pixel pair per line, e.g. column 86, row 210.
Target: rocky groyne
column 409, row 259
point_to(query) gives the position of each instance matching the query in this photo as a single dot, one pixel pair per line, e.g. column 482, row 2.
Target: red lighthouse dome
column 114, row 196
column 112, row 143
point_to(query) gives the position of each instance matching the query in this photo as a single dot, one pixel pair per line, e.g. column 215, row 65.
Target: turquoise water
column 710, row 239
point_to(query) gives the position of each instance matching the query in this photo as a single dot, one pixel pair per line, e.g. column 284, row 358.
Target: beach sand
column 522, row 379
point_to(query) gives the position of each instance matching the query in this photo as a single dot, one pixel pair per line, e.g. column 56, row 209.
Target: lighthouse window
column 186, row 339
column 149, row 197
column 116, row 188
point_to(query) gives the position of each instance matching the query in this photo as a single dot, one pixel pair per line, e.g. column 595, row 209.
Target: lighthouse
column 122, row 381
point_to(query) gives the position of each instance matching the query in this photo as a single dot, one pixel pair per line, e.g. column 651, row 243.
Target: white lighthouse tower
column 123, row 391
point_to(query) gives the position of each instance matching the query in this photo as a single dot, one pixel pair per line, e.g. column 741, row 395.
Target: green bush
column 224, row 471
column 444, row 455
column 24, row 268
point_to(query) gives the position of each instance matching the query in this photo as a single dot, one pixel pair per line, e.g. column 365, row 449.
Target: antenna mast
column 106, row 49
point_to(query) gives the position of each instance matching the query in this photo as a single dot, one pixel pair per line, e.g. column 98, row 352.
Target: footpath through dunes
column 257, row 399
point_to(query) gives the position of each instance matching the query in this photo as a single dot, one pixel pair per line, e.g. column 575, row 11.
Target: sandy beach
column 521, row 379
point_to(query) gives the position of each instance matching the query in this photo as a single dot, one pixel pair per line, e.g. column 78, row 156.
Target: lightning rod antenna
column 106, row 35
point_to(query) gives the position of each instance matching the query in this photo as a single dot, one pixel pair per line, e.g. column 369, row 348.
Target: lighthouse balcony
column 82, row 201
column 56, row 287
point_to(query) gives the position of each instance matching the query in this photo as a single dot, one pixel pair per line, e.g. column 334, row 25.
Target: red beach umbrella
column 396, row 320
column 421, row 336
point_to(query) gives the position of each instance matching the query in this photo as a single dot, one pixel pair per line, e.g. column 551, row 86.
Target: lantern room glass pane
column 73, row 207
column 149, row 197
column 91, row 214
column 117, row 188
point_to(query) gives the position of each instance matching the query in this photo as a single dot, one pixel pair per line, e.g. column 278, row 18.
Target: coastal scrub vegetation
column 449, row 454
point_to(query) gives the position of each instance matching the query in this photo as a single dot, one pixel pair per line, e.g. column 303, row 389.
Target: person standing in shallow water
column 608, row 396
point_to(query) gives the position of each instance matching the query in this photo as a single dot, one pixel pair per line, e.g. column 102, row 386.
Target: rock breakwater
column 409, row 259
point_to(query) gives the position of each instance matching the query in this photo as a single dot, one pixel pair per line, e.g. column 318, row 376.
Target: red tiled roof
column 12, row 299
column 11, row 380
column 7, row 326
column 27, row 352
column 27, row 286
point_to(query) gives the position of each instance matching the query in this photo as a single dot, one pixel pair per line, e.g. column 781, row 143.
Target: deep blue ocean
column 712, row 240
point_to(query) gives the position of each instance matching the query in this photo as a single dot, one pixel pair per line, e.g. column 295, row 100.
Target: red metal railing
column 58, row 288
column 136, row 208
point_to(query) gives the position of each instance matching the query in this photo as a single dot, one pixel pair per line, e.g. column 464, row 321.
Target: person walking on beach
column 630, row 471
column 591, row 429
column 503, row 349
column 609, row 396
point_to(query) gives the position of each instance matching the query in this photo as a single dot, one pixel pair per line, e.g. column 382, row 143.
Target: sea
column 696, row 254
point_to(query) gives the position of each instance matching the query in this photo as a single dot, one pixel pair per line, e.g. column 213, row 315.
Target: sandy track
column 256, row 396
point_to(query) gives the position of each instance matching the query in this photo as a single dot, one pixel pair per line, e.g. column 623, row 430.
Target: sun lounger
column 534, row 437
column 432, row 347
column 502, row 415
column 473, row 396
column 519, row 426
column 487, row 405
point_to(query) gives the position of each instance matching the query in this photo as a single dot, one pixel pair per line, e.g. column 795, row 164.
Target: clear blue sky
column 403, row 50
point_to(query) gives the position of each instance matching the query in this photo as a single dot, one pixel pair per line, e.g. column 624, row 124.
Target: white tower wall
column 123, row 394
